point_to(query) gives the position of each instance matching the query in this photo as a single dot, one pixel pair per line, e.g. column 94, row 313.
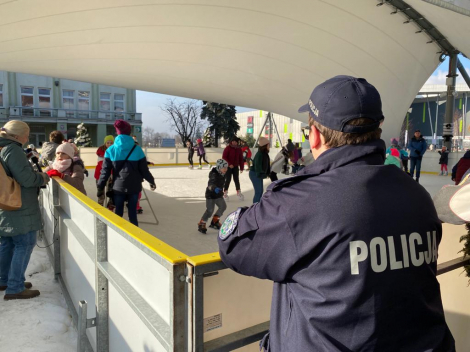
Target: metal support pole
column 56, row 229
column 429, row 112
column 449, row 116
column 463, row 72
column 465, row 116
column 262, row 129
column 83, row 324
column 178, row 308
column 101, row 287
column 437, row 117
column 198, row 313
column 277, row 131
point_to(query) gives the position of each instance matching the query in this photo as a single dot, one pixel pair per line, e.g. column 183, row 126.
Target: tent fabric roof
column 264, row 54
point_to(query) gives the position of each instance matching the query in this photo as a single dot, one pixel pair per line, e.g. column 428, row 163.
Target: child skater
column 201, row 153
column 444, row 160
column 214, row 196
column 190, row 147
column 108, row 141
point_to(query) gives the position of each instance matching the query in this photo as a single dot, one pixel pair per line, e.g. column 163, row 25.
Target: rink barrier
column 98, row 256
column 204, row 272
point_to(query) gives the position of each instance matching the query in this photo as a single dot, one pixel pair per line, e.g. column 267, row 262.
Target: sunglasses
column 306, row 131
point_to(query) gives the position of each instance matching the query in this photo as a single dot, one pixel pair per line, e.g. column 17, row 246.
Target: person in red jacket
column 234, row 156
column 461, row 168
column 108, row 141
column 246, row 153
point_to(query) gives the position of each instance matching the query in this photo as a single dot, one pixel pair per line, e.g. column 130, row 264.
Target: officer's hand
column 153, row 187
column 217, row 190
column 100, row 192
column 45, row 178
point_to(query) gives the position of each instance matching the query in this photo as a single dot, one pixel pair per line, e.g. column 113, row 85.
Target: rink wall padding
column 137, row 289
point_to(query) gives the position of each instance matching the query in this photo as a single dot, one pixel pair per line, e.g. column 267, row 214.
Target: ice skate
column 200, row 167
column 226, row 198
column 209, row 166
column 140, row 211
column 240, row 196
column 441, row 173
column 215, row 223
column 190, row 167
column 446, row 174
column 201, row 227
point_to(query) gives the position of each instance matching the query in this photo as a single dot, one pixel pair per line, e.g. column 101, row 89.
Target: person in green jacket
column 18, row 228
column 261, row 168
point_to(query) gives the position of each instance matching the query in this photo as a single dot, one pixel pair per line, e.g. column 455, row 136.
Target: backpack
column 10, row 192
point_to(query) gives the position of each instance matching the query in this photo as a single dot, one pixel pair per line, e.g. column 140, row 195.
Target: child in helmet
column 214, row 196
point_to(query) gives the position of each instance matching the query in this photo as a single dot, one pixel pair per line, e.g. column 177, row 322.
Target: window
column 1, row 95
column 27, row 100
column 68, row 102
column 119, row 104
column 105, row 103
column 44, row 101
column 83, row 102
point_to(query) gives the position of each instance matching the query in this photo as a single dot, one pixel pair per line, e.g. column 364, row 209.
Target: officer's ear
column 315, row 138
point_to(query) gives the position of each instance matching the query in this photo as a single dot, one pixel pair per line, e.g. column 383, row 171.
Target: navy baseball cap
column 341, row 99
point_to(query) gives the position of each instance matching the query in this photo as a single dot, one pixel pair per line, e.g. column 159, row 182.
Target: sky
column 150, row 104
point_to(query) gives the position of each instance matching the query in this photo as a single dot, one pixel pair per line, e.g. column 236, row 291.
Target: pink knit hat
column 66, row 148
column 122, row 127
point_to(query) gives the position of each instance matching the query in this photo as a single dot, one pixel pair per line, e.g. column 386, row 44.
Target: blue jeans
column 257, row 185
column 415, row 162
column 119, row 200
column 15, row 252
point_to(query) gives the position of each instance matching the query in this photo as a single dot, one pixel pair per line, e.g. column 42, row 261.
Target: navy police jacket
column 351, row 246
column 127, row 175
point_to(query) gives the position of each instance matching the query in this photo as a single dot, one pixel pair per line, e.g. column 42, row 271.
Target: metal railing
column 23, row 111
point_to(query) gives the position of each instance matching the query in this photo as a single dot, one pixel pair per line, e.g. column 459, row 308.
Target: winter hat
column 394, row 141
column 220, row 164
column 395, row 152
column 66, row 148
column 75, row 148
column 199, row 140
column 262, row 141
column 122, row 127
column 108, row 138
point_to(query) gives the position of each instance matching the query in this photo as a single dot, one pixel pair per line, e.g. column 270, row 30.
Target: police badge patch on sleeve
column 230, row 224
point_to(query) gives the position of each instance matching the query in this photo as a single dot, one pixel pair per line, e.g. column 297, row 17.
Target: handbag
column 10, row 192
column 110, row 193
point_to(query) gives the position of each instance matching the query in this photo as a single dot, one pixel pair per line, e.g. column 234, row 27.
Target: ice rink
column 179, row 203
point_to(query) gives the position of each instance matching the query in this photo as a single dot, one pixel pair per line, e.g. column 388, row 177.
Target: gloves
column 45, row 177
column 52, row 173
column 100, row 192
column 217, row 190
column 153, row 187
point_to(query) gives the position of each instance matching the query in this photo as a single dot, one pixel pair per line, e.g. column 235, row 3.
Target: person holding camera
column 417, row 147
column 18, row 228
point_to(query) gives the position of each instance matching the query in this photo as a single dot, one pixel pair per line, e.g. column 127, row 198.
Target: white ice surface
column 41, row 324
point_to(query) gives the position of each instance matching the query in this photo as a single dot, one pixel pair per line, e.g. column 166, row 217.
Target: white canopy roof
column 265, row 54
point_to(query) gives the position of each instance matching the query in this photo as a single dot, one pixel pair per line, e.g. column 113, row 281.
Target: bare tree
column 183, row 117
column 150, row 138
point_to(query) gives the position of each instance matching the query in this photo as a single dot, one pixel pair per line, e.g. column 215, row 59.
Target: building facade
column 47, row 104
column 252, row 122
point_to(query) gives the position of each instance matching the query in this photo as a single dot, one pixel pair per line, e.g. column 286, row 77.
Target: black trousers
column 273, row 176
column 228, row 178
column 190, row 158
column 203, row 157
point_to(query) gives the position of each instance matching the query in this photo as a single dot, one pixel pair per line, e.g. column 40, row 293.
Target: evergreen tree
column 83, row 138
column 222, row 120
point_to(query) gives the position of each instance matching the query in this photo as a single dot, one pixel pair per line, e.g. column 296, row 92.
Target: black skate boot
column 215, row 223
column 201, row 227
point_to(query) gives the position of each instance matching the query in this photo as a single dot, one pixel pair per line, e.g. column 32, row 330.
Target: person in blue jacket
column 417, row 146
column 348, row 276
column 126, row 161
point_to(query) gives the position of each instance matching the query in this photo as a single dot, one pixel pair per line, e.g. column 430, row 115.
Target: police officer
column 349, row 273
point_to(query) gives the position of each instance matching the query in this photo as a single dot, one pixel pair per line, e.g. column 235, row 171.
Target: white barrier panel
column 132, row 277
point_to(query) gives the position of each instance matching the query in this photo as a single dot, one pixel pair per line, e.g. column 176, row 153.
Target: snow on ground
column 41, row 324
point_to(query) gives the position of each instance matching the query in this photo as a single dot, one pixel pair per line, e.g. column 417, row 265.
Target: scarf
column 61, row 165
